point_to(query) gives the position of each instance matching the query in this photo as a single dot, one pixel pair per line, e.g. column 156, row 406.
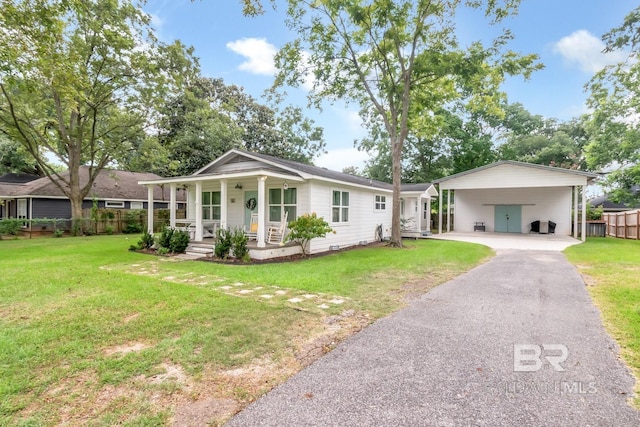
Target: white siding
column 514, row 176
column 542, row 204
column 363, row 219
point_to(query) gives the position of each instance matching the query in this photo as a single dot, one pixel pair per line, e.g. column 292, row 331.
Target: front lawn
column 611, row 269
column 93, row 334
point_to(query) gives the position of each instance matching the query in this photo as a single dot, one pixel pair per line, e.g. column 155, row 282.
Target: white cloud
column 585, row 50
column 341, row 158
column 259, row 54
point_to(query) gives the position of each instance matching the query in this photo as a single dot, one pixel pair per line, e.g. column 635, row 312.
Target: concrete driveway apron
column 516, row 341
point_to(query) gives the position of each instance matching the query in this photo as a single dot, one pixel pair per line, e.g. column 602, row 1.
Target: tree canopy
column 399, row 61
column 80, row 80
column 615, row 101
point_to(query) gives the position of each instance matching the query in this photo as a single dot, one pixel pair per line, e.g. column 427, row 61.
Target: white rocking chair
column 276, row 232
column 252, row 234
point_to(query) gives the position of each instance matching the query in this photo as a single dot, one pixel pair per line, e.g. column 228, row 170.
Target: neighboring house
column 507, row 196
column 8, row 184
column 41, row 198
column 611, row 206
column 238, row 184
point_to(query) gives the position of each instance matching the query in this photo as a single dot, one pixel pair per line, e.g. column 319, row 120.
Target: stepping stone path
column 296, row 298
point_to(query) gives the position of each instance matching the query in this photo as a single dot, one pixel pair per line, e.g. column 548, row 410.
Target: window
column 380, row 203
column 280, row 201
column 211, row 205
column 113, row 204
column 137, row 205
column 340, row 206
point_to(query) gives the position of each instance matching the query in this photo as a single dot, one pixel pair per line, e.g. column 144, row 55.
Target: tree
column 79, row 80
column 398, row 60
column 615, row 101
column 208, row 118
column 15, row 159
column 534, row 139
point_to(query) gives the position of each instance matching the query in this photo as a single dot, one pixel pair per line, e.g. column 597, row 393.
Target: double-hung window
column 211, row 205
column 380, row 203
column 280, row 201
column 340, row 206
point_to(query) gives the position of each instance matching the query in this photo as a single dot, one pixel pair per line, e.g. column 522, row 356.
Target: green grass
column 611, row 268
column 66, row 304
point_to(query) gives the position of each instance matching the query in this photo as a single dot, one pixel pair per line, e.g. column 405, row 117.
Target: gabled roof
column 610, row 205
column 588, row 175
column 223, row 167
column 109, row 184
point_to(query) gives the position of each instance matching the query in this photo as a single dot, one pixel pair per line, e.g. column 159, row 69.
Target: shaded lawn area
column 93, row 334
column 611, row 269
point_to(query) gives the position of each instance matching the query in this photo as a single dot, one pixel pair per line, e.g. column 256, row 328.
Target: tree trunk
column 396, row 169
column 77, row 226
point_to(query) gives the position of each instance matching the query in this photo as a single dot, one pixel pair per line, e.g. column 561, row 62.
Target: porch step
column 199, row 250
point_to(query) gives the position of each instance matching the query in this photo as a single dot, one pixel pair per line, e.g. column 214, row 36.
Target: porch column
column 575, row 211
column 172, row 205
column 440, row 210
column 584, row 214
column 223, row 203
column 150, row 209
column 419, row 214
column 448, row 210
column 198, row 208
column 261, row 211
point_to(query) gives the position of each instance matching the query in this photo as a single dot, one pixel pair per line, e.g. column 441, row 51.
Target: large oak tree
column 80, row 79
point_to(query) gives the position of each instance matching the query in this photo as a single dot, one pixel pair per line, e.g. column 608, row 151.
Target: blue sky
column 564, row 33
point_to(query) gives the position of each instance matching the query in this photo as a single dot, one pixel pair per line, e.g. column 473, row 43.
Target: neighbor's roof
column 588, row 175
column 109, row 184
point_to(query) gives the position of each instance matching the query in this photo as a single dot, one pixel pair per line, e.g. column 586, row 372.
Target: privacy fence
column 624, row 225
column 95, row 221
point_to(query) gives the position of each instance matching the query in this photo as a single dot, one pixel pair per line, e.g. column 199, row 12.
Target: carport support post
column 575, row 211
column 150, row 209
column 440, row 210
column 584, row 214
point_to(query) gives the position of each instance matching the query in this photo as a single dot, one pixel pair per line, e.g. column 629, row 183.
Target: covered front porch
column 255, row 201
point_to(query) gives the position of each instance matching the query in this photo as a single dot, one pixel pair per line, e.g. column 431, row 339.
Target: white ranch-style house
column 260, row 193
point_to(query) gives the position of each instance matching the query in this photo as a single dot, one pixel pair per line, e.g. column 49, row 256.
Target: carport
column 507, row 196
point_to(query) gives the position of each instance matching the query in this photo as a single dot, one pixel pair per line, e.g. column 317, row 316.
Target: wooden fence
column 623, row 225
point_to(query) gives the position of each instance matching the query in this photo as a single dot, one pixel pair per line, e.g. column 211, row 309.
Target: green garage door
column 508, row 218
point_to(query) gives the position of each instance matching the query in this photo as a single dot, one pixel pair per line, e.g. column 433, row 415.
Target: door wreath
column 251, row 203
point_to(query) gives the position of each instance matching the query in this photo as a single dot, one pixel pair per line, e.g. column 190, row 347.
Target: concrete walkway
column 531, row 242
column 453, row 358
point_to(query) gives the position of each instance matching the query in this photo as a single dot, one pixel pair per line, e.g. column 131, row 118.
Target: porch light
column 238, row 186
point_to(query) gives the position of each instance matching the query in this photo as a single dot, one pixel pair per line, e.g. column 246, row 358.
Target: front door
column 250, row 200
column 508, row 218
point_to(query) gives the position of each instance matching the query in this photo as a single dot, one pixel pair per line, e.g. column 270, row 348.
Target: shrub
column 239, row 244
column 307, row 227
column 163, row 251
column 223, row 243
column 10, row 226
column 133, row 221
column 164, row 240
column 179, row 241
column 109, row 230
column 146, row 241
column 58, row 233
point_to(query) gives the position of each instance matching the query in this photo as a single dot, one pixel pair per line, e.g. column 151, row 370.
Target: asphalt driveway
column 515, row 341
